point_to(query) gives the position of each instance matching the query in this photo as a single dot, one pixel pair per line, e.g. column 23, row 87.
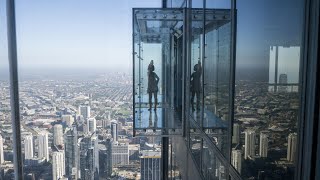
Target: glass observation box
column 181, row 70
column 157, row 59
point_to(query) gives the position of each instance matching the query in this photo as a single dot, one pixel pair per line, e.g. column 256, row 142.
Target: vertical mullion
column 232, row 77
column 14, row 89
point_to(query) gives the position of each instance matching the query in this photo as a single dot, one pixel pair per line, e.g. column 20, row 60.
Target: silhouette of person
column 153, row 80
column 196, row 85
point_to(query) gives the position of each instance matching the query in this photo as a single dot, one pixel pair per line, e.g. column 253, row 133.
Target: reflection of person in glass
column 153, row 80
column 196, row 85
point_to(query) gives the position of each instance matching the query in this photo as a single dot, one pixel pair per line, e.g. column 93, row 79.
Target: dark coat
column 153, row 80
column 195, row 85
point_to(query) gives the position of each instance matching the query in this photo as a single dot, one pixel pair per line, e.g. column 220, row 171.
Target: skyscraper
column 150, row 162
column 57, row 135
column 43, row 145
column 84, row 111
column 249, row 143
column 120, row 154
column 105, row 157
column 292, row 146
column 91, row 125
column 236, row 134
column 114, row 131
column 263, row 150
column 28, row 147
column 283, row 79
column 236, row 159
column 58, row 165
column 71, row 151
column 1, row 150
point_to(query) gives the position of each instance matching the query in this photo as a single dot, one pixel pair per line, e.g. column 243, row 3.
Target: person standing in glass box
column 196, row 85
column 153, row 80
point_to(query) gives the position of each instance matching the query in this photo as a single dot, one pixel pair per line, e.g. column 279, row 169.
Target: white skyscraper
column 250, row 136
column 263, row 150
column 43, row 145
column 292, row 146
column 114, row 131
column 1, row 150
column 91, row 125
column 28, row 147
column 58, row 165
column 84, row 111
column 236, row 159
column 58, row 135
column 236, row 134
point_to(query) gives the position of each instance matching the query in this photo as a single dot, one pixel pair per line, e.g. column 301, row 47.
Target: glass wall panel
column 196, row 145
column 269, row 36
column 176, row 3
column 212, row 168
column 75, row 61
column 217, row 72
column 6, row 138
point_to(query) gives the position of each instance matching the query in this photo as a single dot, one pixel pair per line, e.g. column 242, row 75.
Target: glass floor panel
column 144, row 103
column 163, row 121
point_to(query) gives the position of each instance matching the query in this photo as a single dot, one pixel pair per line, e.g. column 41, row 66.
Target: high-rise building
column 105, row 160
column 58, row 165
column 89, row 157
column 150, row 165
column 28, row 147
column 263, row 150
column 71, row 152
column 94, row 142
column 84, row 111
column 292, row 147
column 91, row 125
column 58, row 135
column 283, row 79
column 236, row 159
column 90, row 162
column 68, row 119
column 43, row 145
column 1, row 150
column 120, row 154
column 249, row 151
column 114, row 131
column 236, row 134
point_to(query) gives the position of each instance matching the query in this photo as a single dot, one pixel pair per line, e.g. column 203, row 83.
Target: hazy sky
column 97, row 33
column 74, row 33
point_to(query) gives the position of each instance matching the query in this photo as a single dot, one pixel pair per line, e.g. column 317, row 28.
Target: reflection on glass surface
column 196, row 67
column 196, row 145
column 264, row 138
column 212, row 168
column 217, row 78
